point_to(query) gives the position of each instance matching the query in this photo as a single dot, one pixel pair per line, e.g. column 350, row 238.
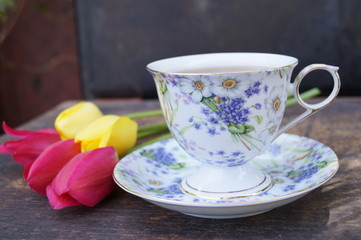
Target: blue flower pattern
column 228, row 107
column 254, row 89
column 293, row 176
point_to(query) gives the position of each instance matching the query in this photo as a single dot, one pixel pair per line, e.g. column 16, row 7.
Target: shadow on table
column 129, row 217
column 308, row 216
column 305, row 216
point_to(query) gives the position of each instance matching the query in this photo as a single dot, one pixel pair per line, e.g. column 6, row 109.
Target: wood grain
column 38, row 61
column 330, row 212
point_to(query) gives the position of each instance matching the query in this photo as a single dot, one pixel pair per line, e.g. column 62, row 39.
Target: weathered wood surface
column 332, row 211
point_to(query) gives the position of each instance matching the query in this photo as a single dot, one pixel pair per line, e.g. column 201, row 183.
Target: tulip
column 43, row 170
column 31, row 143
column 109, row 130
column 85, row 180
column 74, row 119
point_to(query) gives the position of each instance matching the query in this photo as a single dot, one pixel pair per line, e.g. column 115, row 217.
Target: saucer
column 296, row 164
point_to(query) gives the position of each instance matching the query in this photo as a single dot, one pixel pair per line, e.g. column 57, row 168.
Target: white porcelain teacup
column 224, row 109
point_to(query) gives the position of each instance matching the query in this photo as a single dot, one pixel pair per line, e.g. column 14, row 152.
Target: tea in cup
column 224, row 109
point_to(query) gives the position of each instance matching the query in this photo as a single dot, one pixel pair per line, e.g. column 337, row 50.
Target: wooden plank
column 330, row 212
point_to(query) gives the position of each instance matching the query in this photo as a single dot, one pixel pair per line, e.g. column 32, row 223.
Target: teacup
column 224, row 109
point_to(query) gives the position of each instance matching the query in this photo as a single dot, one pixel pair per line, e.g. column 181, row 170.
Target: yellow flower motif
column 74, row 119
column 109, row 130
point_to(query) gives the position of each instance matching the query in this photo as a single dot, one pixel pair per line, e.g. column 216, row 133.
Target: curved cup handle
column 312, row 108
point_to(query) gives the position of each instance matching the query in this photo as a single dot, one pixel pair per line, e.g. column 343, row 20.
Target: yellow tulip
column 109, row 130
column 74, row 119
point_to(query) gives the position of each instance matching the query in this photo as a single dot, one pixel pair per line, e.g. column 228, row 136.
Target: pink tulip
column 43, row 170
column 31, row 144
column 85, row 180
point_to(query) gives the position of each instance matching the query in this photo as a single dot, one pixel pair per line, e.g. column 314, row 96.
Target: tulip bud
column 74, row 119
column 109, row 130
column 31, row 143
column 43, row 170
column 85, row 180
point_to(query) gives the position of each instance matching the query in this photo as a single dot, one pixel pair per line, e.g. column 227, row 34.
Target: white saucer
column 296, row 164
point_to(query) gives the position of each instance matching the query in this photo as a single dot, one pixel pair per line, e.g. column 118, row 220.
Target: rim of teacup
column 156, row 66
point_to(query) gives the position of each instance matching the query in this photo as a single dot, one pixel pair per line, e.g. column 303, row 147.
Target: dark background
column 99, row 49
column 118, row 38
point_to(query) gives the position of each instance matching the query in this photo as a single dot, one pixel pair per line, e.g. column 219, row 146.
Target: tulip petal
column 25, row 133
column 60, row 201
column 74, row 119
column 109, row 130
column 123, row 135
column 28, row 149
column 27, row 169
column 97, row 128
column 96, row 134
column 4, row 150
column 87, row 178
column 44, row 169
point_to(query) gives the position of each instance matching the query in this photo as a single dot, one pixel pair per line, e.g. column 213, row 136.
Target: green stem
column 152, row 126
column 259, row 140
column 152, row 113
column 244, row 137
column 148, row 133
column 151, row 129
column 305, row 95
column 240, row 139
column 186, row 128
column 210, row 103
column 160, row 138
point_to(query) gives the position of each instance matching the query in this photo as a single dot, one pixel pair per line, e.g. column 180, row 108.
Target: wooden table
column 332, row 211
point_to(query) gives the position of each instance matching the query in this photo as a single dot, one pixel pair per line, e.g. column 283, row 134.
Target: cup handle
column 312, row 108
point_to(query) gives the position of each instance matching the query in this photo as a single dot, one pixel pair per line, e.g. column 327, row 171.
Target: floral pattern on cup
column 296, row 164
column 244, row 110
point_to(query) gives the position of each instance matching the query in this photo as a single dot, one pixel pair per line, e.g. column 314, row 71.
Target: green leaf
column 163, row 87
column 177, row 166
column 258, row 118
column 249, row 128
column 159, row 191
column 322, row 164
column 235, row 130
column 293, row 174
column 147, row 154
column 241, row 127
column 210, row 103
